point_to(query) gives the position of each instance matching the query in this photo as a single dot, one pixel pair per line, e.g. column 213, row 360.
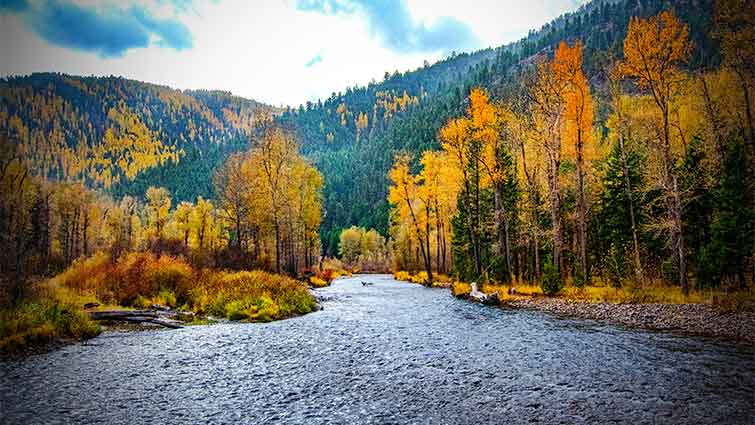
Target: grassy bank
column 47, row 314
column 53, row 309
column 597, row 292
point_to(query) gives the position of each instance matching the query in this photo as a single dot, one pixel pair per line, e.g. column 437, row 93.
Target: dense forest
column 123, row 135
column 82, row 127
column 119, row 137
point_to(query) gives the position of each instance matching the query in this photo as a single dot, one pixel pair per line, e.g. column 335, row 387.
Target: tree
column 546, row 96
column 182, row 218
column 350, row 246
column 630, row 167
column 231, row 188
column 158, row 207
column 274, row 151
column 577, row 130
column 404, row 194
column 653, row 50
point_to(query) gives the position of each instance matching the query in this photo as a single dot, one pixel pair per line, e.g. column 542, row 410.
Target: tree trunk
column 632, row 219
column 502, row 225
column 581, row 206
column 675, row 208
column 555, row 210
column 85, row 232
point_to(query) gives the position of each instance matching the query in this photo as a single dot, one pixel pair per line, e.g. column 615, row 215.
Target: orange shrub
column 135, row 275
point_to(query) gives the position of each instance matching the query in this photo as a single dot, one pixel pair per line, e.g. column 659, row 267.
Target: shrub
column 420, row 278
column 460, row 289
column 318, row 282
column 402, row 276
column 551, row 283
column 41, row 318
column 255, row 295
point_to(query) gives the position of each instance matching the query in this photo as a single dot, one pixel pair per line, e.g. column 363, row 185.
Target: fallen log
column 119, row 314
column 172, row 324
column 139, row 316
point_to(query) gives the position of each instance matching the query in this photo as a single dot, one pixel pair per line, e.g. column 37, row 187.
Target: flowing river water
column 390, row 352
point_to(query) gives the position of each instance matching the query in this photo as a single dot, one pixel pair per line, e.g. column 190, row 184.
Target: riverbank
column 690, row 319
column 59, row 310
column 729, row 317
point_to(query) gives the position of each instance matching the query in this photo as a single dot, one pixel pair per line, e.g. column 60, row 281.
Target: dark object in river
column 366, row 283
column 165, row 318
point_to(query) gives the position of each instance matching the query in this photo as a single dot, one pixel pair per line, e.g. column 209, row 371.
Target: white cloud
column 259, row 49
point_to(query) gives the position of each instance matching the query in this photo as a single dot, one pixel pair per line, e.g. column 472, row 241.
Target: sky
column 281, row 52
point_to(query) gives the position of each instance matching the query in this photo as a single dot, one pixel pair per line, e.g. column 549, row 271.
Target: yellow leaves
column 362, row 121
column 577, row 126
column 158, row 208
column 653, row 48
column 481, row 113
column 735, row 29
column 391, row 103
column 403, row 182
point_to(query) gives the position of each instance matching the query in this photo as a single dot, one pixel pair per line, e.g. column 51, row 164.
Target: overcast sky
column 282, row 52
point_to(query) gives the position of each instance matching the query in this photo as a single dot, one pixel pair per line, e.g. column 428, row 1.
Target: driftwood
column 157, row 317
column 481, row 297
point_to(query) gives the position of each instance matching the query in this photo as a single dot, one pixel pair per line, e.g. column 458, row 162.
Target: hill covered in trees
column 353, row 136
column 125, row 135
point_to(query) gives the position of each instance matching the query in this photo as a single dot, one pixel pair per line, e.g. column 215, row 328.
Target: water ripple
column 387, row 353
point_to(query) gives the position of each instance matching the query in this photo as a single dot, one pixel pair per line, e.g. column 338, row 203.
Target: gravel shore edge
column 688, row 319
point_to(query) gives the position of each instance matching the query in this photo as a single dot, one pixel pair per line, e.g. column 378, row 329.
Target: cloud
column 391, row 22
column 314, row 61
column 109, row 32
column 172, row 33
column 178, row 5
column 13, row 5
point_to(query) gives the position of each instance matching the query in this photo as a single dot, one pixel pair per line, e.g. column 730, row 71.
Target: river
column 390, row 352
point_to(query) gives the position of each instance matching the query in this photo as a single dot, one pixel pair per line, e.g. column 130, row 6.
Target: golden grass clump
column 459, row 289
column 250, row 295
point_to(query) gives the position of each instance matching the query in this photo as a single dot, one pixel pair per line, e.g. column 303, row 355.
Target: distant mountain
column 123, row 135
column 84, row 127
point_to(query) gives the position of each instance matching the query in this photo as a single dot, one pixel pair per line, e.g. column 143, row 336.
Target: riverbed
column 389, row 352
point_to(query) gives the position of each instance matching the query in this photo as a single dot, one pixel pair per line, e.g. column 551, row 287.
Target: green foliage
column 40, row 319
column 464, row 266
column 613, row 217
column 552, row 282
column 615, row 265
column 732, row 233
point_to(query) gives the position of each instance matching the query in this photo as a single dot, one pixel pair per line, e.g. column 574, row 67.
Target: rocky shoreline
column 689, row 319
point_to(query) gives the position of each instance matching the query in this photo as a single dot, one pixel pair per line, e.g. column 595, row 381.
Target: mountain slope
column 86, row 127
column 121, row 134
column 353, row 136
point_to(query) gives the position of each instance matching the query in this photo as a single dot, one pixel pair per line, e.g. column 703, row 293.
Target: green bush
column 552, row 282
column 615, row 265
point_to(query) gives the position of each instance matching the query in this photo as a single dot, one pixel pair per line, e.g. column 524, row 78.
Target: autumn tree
column 182, row 220
column 158, row 208
column 231, row 188
column 404, row 194
column 457, row 143
column 654, row 48
column 576, row 130
column 273, row 151
column 547, row 106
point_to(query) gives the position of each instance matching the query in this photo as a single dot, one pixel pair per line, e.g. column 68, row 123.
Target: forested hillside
column 353, row 136
column 124, row 135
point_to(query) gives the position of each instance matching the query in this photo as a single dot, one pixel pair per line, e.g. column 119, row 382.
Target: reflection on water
column 386, row 353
